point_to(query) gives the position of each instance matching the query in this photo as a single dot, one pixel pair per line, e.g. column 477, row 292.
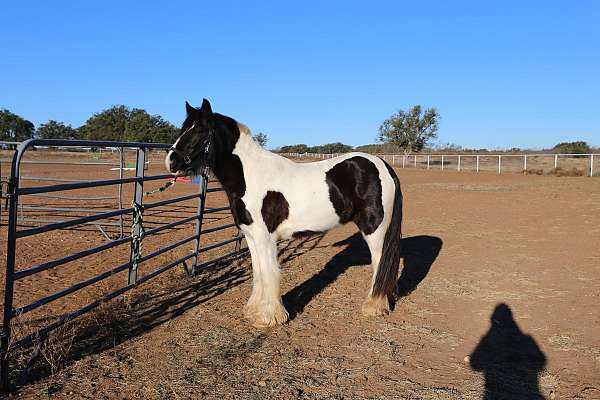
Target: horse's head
column 194, row 150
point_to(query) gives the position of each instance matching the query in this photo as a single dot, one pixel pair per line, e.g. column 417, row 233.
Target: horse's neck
column 247, row 157
column 250, row 151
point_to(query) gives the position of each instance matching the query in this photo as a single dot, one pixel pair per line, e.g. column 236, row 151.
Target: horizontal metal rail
column 97, row 278
column 223, row 243
column 214, row 210
column 216, row 229
column 82, row 198
column 50, row 162
column 51, row 221
column 73, row 222
column 148, row 206
column 66, row 209
column 170, row 225
column 40, row 179
column 76, row 256
column 88, row 184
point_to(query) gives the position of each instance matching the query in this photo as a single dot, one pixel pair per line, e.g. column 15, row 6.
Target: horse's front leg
column 251, row 307
column 265, row 302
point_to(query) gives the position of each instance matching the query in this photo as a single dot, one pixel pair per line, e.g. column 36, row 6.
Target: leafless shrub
column 558, row 171
column 533, row 171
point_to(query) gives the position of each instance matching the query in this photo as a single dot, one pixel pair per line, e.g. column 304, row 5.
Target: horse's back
column 321, row 195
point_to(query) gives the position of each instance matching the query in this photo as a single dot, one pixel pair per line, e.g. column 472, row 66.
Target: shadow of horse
column 418, row 252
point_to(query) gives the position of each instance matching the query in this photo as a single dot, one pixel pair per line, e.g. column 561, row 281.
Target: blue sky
column 502, row 74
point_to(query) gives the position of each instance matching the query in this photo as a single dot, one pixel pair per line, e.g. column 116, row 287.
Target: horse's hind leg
column 375, row 305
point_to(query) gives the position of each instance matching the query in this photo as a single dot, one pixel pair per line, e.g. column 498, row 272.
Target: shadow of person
column 510, row 360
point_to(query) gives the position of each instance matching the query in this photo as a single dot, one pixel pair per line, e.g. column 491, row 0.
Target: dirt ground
column 498, row 298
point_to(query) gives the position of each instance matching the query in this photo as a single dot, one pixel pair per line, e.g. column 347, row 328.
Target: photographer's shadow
column 510, row 360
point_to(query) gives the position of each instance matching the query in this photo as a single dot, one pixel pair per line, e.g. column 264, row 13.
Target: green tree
column 122, row 124
column 410, row 130
column 13, row 128
column 261, row 138
column 331, row 148
column 56, row 130
column 579, row 147
column 143, row 127
column 109, row 124
column 294, row 148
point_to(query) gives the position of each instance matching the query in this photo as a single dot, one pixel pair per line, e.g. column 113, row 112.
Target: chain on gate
column 137, row 235
column 137, row 220
column 136, row 238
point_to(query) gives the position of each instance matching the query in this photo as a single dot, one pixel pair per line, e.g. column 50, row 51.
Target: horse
column 273, row 198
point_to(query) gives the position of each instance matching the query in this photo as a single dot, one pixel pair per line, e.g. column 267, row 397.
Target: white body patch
column 302, row 184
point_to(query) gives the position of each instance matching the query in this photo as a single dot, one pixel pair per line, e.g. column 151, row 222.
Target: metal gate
column 14, row 192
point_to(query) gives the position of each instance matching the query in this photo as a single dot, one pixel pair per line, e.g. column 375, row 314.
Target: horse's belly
column 317, row 216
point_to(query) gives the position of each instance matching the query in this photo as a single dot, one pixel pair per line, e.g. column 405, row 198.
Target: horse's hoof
column 269, row 316
column 250, row 311
column 376, row 307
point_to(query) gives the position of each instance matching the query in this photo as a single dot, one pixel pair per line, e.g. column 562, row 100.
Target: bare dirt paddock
column 499, row 297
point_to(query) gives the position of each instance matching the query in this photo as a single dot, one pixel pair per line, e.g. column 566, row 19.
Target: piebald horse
column 273, row 198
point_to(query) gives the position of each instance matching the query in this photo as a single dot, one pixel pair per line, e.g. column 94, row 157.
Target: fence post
column 415, row 160
column 403, row 160
column 427, row 161
column 555, row 161
column 499, row 163
column 477, row 163
column 525, row 163
column 120, row 190
column 137, row 228
column 200, row 213
column 459, row 163
column 591, row 165
column 442, row 162
column 13, row 185
column 393, row 159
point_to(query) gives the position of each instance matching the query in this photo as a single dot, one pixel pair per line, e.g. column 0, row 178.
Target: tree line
column 118, row 123
column 403, row 132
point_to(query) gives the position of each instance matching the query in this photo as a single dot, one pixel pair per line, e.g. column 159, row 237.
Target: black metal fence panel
column 12, row 192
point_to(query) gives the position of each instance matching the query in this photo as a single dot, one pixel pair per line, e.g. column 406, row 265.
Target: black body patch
column 228, row 167
column 240, row 214
column 355, row 192
column 275, row 209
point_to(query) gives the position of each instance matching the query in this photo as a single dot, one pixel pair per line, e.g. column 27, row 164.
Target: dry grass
column 560, row 172
column 533, row 171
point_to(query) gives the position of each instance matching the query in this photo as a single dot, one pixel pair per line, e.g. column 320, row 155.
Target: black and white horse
column 272, row 198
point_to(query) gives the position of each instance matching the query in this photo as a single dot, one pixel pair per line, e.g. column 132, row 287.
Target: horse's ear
column 189, row 109
column 205, row 110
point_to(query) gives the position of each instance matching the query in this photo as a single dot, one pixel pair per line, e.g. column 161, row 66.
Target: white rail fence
column 536, row 163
